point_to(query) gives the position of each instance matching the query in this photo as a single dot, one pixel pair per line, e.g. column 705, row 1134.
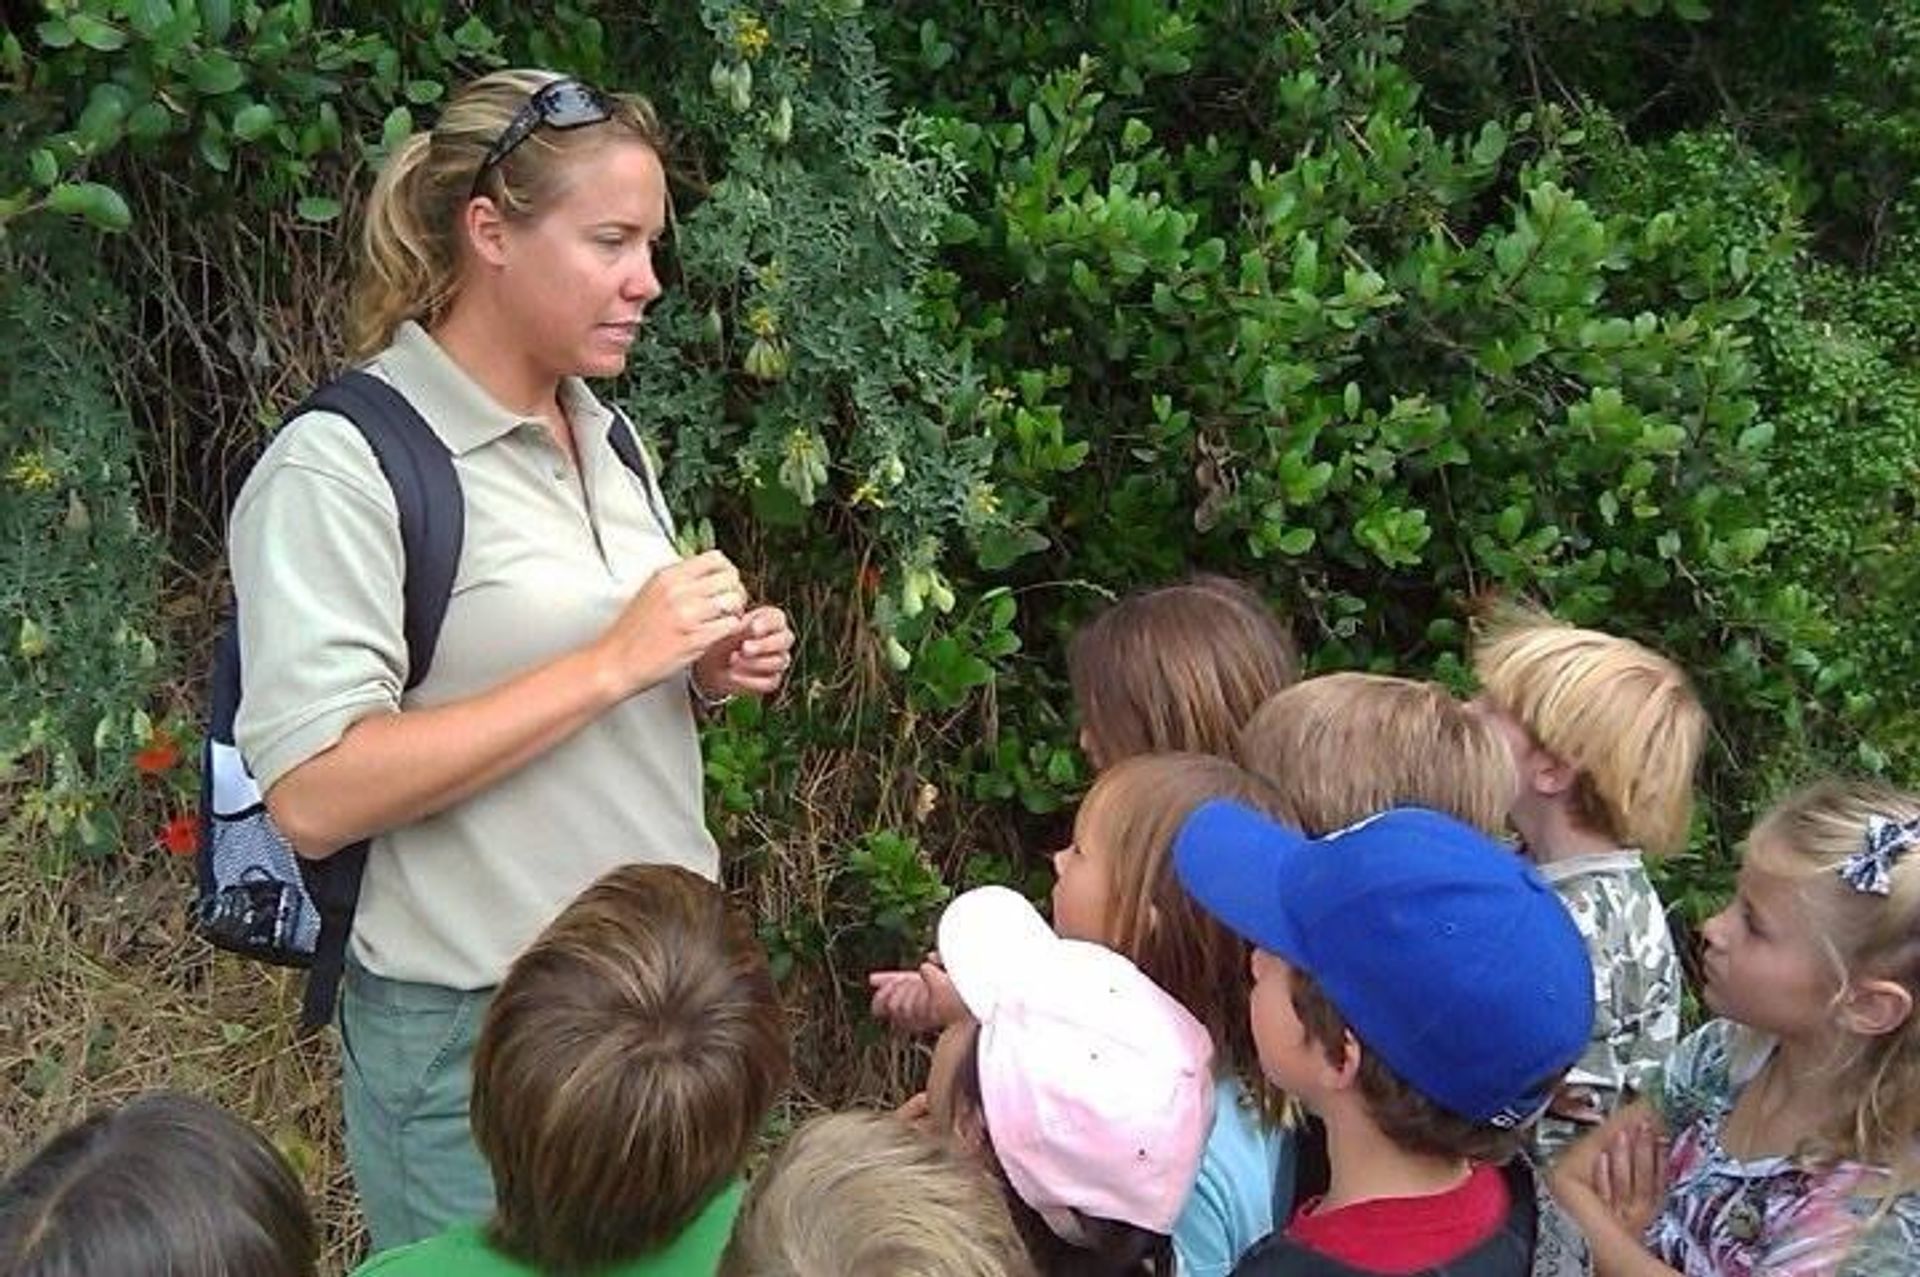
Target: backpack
column 255, row 896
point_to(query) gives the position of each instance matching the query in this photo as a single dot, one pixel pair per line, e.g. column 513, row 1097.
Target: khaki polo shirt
column 550, row 558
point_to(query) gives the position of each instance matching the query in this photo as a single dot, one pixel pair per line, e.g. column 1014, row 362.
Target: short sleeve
column 318, row 576
column 1889, row 1243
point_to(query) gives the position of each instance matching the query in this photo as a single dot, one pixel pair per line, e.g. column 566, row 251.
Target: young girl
column 1178, row 667
column 1077, row 1082
column 1790, row 1122
column 167, row 1185
column 1116, row 887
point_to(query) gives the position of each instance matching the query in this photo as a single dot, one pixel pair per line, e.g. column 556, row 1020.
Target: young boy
column 624, row 1068
column 1421, row 991
column 1343, row 746
column 1605, row 735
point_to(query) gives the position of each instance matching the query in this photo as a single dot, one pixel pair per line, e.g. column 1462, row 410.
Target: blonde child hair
column 1178, row 667
column 1620, row 713
column 866, row 1195
column 1134, row 810
column 1813, row 835
column 1341, row 747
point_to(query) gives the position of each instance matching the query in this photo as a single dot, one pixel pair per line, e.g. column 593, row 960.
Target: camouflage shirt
column 1636, row 984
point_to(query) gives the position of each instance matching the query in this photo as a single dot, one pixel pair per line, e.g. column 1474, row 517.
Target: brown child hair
column 1342, row 747
column 1179, row 667
column 167, row 1185
column 624, row 1069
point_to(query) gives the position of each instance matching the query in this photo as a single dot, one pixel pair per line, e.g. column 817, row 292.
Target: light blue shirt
column 1231, row 1206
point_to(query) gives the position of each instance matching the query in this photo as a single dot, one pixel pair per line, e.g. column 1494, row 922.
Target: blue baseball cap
column 1446, row 953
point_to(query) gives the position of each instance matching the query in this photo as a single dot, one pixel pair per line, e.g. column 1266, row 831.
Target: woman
column 508, row 253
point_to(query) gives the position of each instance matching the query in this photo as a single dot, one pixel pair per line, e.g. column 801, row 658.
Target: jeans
column 407, row 1079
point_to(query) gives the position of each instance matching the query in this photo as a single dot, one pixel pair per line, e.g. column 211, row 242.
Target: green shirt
column 463, row 1252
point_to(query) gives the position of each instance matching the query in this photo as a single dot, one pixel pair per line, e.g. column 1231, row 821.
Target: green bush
column 79, row 576
column 981, row 315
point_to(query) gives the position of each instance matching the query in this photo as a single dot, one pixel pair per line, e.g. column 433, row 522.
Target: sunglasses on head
column 562, row 105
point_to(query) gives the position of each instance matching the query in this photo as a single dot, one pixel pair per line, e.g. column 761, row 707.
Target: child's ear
column 1346, row 1074
column 1873, row 1008
column 1548, row 773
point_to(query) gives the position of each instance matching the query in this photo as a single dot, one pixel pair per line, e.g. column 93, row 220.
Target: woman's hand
column 752, row 660
column 917, row 1001
column 683, row 611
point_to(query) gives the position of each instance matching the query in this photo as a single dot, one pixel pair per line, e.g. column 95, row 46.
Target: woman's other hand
column 752, row 660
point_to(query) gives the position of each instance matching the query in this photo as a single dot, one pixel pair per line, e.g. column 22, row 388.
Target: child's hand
column 1576, row 1104
column 916, row 1112
column 1630, row 1175
column 917, row 1001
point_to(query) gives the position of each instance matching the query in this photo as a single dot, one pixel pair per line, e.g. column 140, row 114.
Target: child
column 1421, row 990
column 623, row 1071
column 1078, row 1081
column 164, row 1186
column 1343, row 746
column 1793, row 1117
column 1180, row 667
column 867, row 1195
column 1606, row 736
column 1116, row 886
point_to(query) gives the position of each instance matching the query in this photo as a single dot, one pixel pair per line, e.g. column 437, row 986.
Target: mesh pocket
column 258, row 905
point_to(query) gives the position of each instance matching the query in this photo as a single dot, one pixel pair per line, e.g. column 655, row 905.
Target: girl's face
column 581, row 274
column 1765, row 965
column 1083, row 884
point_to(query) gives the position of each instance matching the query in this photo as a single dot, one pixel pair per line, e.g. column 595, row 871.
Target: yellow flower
column 30, row 472
column 762, row 322
column 982, row 502
column 751, row 37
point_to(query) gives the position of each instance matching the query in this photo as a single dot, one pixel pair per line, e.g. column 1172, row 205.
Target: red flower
column 869, row 579
column 161, row 755
column 181, row 835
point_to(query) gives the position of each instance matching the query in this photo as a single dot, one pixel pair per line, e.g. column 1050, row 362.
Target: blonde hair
column 866, row 1195
column 1179, row 667
column 1134, row 811
column 412, row 236
column 624, row 1069
column 1342, row 747
column 1811, row 834
column 1622, row 714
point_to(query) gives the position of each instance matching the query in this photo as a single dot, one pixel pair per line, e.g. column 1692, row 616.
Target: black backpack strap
column 625, row 442
column 426, row 492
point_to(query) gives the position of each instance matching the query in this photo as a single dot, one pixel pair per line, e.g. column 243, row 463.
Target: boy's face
column 1288, row 1058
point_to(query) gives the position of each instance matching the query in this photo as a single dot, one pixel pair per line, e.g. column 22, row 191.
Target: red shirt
column 1406, row 1234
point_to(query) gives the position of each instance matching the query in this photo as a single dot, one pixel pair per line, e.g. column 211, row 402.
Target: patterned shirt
column 1769, row 1216
column 1636, row 984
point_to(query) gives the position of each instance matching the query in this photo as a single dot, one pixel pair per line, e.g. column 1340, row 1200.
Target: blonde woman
column 508, row 254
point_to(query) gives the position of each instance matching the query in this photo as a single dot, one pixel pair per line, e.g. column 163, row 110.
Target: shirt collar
column 458, row 408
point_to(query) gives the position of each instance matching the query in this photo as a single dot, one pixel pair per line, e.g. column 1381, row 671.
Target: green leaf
column 214, row 73
column 216, row 19
column 398, row 124
column 95, row 34
column 149, row 123
column 318, row 208
column 55, row 33
column 100, row 205
column 253, row 122
column 424, row 92
column 46, row 170
column 1295, row 541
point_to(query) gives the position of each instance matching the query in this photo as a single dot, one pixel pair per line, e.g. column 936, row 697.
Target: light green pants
column 407, row 1078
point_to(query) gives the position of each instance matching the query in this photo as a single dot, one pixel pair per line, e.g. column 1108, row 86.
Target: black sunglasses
column 564, row 104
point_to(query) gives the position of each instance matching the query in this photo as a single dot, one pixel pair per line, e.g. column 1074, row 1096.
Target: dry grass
column 107, row 994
